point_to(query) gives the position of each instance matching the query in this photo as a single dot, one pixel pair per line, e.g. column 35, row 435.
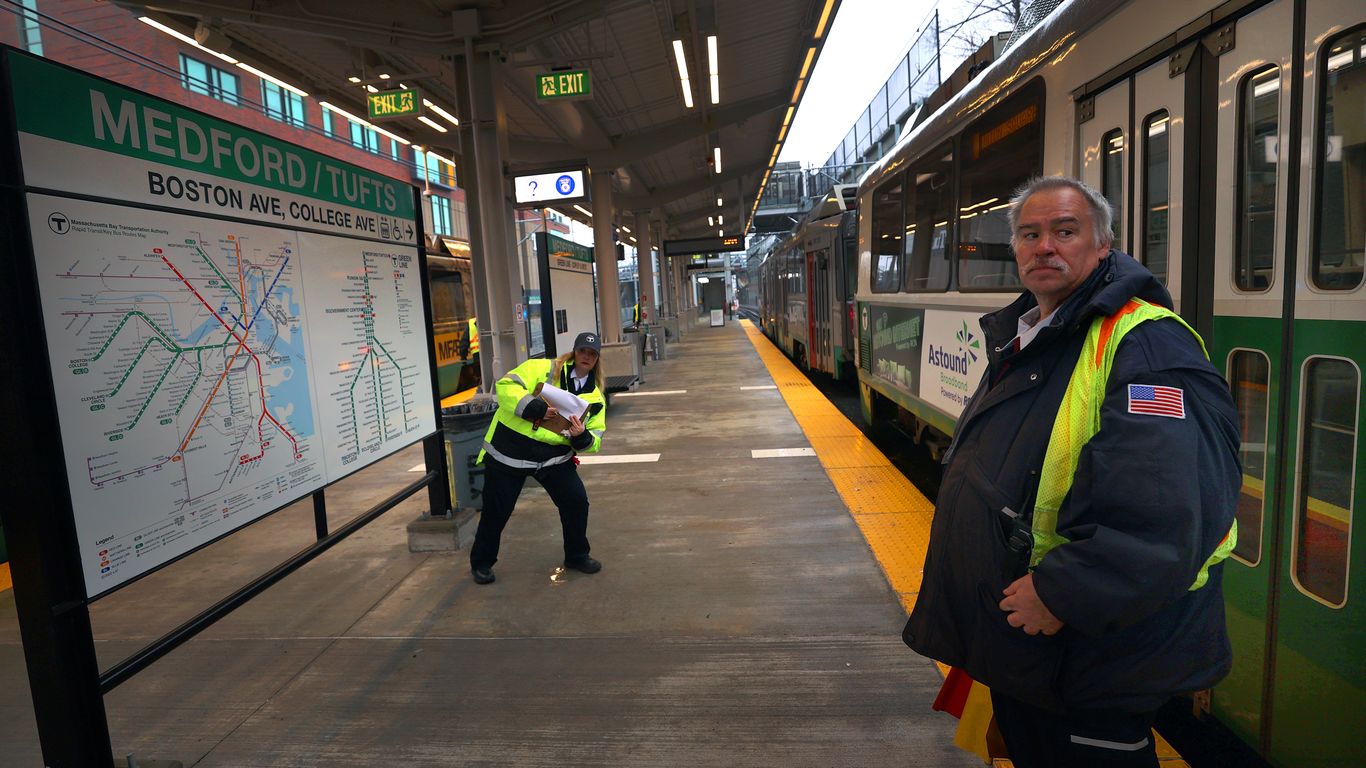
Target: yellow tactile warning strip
column 893, row 516
column 5, row 582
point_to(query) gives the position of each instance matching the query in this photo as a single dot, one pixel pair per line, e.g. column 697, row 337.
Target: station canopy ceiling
column 635, row 120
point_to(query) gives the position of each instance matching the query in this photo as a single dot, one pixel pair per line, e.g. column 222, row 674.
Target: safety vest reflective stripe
column 474, row 337
column 1078, row 420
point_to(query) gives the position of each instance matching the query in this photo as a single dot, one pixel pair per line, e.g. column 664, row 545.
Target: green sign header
column 57, row 103
column 564, row 85
column 387, row 104
column 568, row 249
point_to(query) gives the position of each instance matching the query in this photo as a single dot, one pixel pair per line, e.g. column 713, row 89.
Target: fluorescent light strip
column 825, row 16
column 366, row 123
column 269, row 78
column 797, row 92
column 716, row 155
column 371, row 89
column 683, row 73
column 715, row 73
column 806, row 65
column 431, row 123
column 718, row 202
column 583, row 210
column 184, row 38
column 441, row 159
column 447, row 115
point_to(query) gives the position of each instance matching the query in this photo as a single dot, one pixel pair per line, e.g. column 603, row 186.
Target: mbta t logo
column 59, row 223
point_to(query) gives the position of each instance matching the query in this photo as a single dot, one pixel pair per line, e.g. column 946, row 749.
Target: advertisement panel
column 953, row 359
column 893, row 346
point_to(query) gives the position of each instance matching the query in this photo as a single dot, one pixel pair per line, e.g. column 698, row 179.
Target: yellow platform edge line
column 784, row 373
column 5, row 581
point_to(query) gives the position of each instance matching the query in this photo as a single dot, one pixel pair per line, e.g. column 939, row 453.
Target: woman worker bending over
column 518, row 446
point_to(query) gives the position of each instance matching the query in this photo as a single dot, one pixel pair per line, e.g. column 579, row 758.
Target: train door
column 814, row 284
column 1290, row 332
column 1318, row 693
column 1159, row 132
column 1248, row 286
column 1104, row 139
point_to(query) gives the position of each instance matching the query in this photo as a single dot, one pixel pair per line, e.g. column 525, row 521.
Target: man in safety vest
column 1087, row 501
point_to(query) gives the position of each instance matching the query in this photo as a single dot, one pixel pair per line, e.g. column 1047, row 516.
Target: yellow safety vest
column 474, row 337
column 514, row 393
column 1078, row 420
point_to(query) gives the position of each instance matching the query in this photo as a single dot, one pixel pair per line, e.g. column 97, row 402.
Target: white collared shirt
column 1029, row 325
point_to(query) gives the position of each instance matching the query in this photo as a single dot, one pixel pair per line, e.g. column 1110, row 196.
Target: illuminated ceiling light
column 417, row 147
column 718, row 202
column 797, row 92
column 711, row 221
column 353, row 79
column 372, row 89
column 788, row 117
column 683, row 73
column 583, row 210
column 431, row 123
column 447, row 115
column 825, row 16
column 715, row 71
column 268, row 78
column 782, row 134
column 720, row 233
column 720, row 219
column 384, row 75
column 184, row 38
column 625, row 229
column 806, row 65
column 439, row 158
column 716, row 159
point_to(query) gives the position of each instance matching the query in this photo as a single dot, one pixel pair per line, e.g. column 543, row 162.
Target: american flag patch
column 1157, row 401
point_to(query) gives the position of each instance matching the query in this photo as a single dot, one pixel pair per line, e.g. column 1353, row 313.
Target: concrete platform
column 740, row 619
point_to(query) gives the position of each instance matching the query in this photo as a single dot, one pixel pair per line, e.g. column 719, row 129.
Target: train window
column 887, row 234
column 1258, row 152
column 1112, row 176
column 1341, row 247
column 1323, row 506
column 1249, row 376
column 929, row 204
column 1156, row 194
column 1001, row 151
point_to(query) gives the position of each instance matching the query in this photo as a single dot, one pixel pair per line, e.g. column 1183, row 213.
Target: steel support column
column 605, row 256
column 645, row 268
column 504, row 290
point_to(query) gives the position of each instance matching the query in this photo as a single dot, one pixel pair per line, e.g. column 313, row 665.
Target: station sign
column 537, row 190
column 576, row 84
column 390, row 104
column 728, row 244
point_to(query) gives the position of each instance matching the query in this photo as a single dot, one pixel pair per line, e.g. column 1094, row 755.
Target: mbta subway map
column 208, row 372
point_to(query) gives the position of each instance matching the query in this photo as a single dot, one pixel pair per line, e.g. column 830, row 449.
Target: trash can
column 464, row 426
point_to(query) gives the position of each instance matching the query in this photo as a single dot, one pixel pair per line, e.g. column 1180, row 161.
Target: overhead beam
column 660, row 197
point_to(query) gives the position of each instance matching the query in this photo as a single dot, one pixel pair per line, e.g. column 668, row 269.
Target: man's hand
column 575, row 426
column 1026, row 610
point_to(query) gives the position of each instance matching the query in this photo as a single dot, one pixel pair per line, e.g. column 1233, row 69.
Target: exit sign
column 564, row 85
column 394, row 104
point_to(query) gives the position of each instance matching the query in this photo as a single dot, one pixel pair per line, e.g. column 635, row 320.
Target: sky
column 864, row 44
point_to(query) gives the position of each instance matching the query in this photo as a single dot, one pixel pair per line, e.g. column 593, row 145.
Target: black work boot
column 483, row 575
column 584, row 564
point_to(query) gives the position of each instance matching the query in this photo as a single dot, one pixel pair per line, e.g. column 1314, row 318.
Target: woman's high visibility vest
column 474, row 337
column 1078, row 420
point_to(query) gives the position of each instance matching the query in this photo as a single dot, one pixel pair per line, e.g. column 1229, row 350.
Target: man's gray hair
column 1101, row 214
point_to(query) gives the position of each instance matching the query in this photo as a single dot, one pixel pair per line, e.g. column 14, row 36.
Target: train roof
column 993, row 84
